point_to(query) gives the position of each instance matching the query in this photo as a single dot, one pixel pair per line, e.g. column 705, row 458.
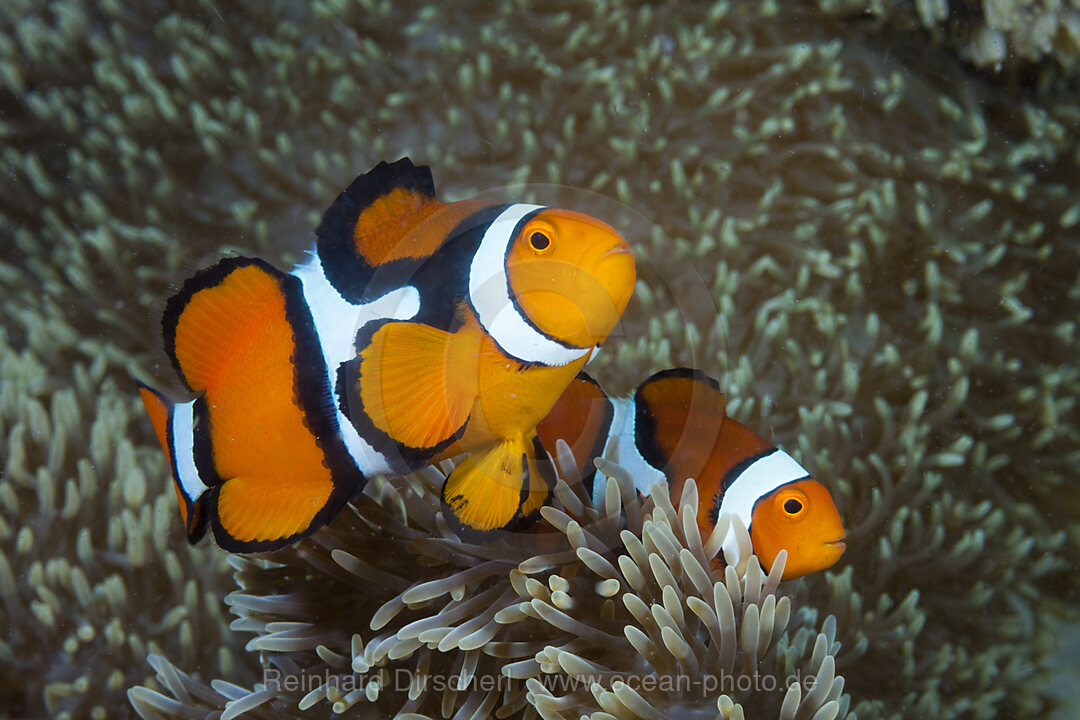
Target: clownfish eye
column 792, row 503
column 539, row 242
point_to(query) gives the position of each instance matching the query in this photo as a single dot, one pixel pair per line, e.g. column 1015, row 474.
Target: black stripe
column 443, row 278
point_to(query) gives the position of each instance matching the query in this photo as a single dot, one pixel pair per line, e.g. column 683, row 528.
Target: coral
column 993, row 34
column 878, row 260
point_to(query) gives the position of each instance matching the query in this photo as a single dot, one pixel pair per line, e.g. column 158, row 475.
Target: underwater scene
column 825, row 463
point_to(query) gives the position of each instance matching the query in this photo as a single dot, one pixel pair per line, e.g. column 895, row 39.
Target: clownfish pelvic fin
column 501, row 489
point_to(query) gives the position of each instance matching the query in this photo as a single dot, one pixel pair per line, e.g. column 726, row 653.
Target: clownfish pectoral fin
column 501, row 489
column 678, row 418
column 417, row 385
column 172, row 428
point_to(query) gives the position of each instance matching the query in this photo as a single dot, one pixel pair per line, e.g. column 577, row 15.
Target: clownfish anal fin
column 417, row 384
column 501, row 489
column 678, row 418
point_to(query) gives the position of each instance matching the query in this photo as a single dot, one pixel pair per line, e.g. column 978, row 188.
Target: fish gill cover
column 889, row 247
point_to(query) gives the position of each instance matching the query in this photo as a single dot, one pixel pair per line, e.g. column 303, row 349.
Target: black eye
column 539, row 241
column 792, row 506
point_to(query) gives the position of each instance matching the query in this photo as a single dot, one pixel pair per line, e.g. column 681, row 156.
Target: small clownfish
column 417, row 330
column 675, row 427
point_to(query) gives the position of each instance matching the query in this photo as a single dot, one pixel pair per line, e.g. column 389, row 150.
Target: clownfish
column 674, row 427
column 415, row 331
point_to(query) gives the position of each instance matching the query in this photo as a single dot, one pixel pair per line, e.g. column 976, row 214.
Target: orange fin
column 541, row 483
column 378, row 209
column 231, row 335
column 157, row 407
column 209, row 324
column 582, row 418
column 252, row 514
column 679, row 415
column 191, row 500
column 501, row 489
column 417, row 383
column 384, row 226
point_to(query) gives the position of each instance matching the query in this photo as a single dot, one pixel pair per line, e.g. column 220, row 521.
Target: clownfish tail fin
column 174, row 425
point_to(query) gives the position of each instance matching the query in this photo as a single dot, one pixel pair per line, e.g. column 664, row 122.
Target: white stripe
column 336, row 323
column 183, row 447
column 628, row 456
column 756, row 481
column 489, row 293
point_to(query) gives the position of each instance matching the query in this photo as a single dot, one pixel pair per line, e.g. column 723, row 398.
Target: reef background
column 868, row 233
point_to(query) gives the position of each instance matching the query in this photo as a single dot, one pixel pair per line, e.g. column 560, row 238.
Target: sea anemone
column 877, row 257
column 620, row 612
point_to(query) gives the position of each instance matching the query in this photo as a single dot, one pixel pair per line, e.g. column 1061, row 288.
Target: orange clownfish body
column 675, row 427
column 416, row 330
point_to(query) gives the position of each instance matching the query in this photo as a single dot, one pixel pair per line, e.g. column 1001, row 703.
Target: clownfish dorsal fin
column 679, row 414
column 373, row 216
column 417, row 384
column 581, row 417
column 499, row 489
column 385, row 225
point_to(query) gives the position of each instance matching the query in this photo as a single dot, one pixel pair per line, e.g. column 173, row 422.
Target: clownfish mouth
column 840, row 543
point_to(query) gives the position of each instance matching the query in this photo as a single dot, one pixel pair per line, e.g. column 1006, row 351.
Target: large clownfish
column 417, row 330
column 675, row 427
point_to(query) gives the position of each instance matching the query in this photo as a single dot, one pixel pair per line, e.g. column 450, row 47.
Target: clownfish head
column 571, row 275
column 799, row 517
